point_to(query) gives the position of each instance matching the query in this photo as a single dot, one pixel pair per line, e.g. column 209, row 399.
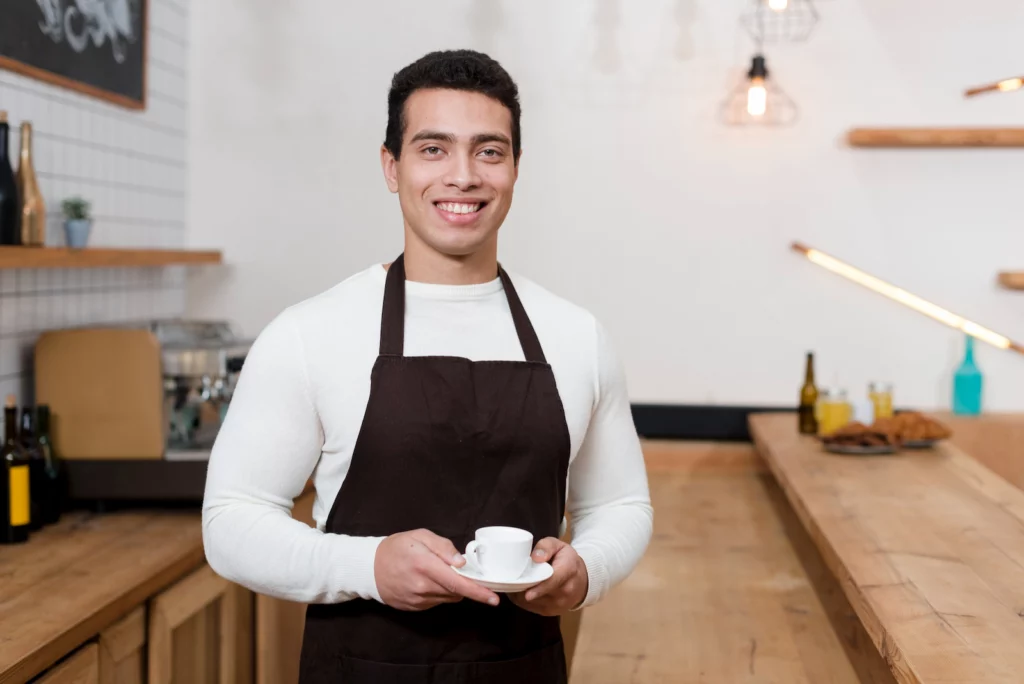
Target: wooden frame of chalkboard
column 103, row 55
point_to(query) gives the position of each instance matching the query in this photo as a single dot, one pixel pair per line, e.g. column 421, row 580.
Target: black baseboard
column 696, row 422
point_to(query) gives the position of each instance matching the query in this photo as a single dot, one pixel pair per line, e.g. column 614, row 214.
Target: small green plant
column 75, row 208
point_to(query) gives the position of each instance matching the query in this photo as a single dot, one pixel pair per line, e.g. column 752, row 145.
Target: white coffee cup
column 501, row 554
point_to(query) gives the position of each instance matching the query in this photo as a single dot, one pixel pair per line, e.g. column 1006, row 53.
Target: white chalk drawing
column 83, row 22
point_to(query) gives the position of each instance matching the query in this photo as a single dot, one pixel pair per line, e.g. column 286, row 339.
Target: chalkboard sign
column 97, row 47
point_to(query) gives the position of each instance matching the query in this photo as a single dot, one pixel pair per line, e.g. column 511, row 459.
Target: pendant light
column 758, row 99
column 778, row 21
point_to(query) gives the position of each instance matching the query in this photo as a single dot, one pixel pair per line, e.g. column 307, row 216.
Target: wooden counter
column 76, row 578
column 726, row 592
column 927, row 546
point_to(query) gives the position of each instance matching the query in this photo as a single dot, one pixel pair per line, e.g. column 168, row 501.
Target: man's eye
column 491, row 152
column 433, row 149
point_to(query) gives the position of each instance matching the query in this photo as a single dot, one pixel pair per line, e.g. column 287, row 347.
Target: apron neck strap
column 392, row 322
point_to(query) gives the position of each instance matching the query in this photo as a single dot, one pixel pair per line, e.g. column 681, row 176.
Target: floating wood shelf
column 61, row 257
column 936, row 137
column 1012, row 280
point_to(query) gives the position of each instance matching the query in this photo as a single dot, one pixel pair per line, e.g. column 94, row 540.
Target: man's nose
column 462, row 173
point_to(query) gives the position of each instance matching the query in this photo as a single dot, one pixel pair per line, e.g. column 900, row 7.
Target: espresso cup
column 501, row 554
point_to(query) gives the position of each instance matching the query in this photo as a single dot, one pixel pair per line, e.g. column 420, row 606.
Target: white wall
column 131, row 165
column 632, row 199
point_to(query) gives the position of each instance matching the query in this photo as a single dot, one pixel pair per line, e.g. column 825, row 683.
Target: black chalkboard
column 97, row 47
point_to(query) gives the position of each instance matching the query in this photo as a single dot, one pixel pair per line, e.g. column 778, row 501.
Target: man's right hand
column 413, row 572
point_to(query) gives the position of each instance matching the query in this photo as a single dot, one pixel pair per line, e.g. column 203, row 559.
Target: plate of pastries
column 906, row 430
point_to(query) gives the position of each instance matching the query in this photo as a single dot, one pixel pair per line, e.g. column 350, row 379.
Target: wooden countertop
column 927, row 546
column 74, row 579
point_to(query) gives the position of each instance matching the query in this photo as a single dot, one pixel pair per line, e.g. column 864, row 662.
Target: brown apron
column 450, row 445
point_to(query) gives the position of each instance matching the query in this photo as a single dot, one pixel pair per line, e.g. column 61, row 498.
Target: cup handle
column 471, row 557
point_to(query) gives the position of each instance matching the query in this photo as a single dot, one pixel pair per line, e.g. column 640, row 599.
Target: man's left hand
column 565, row 589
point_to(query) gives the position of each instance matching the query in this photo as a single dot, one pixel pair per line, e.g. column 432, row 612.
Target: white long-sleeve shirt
column 299, row 404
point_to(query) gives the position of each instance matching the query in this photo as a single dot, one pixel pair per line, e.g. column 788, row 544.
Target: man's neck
column 426, row 265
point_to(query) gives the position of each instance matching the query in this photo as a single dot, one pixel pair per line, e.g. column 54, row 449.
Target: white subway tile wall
column 131, row 165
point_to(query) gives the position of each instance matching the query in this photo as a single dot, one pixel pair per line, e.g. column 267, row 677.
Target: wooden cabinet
column 200, row 632
column 122, row 650
column 82, row 667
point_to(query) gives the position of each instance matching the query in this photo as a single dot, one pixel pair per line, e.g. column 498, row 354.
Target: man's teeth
column 455, row 208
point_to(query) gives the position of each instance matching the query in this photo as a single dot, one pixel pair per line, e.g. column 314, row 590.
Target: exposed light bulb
column 757, row 97
column 778, row 5
column 1010, row 84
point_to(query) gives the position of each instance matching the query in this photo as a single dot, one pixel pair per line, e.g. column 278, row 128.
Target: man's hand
column 565, row 589
column 413, row 572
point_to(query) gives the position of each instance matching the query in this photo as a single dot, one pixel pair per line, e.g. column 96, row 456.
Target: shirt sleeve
column 609, row 500
column 265, row 452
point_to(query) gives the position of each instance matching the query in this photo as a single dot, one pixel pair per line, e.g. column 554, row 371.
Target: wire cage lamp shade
column 779, row 21
column 757, row 100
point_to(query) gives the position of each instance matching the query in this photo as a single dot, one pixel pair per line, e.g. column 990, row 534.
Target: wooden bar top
column 73, row 579
column 927, row 546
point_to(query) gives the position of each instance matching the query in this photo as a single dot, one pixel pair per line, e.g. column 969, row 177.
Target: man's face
column 456, row 173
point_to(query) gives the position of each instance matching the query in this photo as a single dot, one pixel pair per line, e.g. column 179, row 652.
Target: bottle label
column 19, row 496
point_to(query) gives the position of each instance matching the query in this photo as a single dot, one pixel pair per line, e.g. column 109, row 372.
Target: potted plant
column 77, row 222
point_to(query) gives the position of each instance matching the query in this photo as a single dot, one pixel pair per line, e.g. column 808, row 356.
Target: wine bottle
column 38, row 483
column 55, row 475
column 16, row 515
column 10, row 199
column 808, row 400
column 33, row 208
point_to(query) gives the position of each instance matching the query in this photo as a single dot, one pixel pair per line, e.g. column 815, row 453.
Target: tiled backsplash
column 131, row 165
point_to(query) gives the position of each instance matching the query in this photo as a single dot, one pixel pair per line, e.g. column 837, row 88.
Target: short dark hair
column 458, row 70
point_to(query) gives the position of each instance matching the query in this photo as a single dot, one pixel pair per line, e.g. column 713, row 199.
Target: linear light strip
column 907, row 299
column 1005, row 86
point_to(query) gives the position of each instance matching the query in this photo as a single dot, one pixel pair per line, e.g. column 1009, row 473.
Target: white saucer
column 534, row 575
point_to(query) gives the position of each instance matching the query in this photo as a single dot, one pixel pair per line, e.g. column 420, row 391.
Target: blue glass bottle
column 967, row 384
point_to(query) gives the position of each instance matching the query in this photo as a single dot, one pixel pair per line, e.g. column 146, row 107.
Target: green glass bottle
column 808, row 400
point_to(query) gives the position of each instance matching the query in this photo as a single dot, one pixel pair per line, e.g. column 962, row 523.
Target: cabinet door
column 123, row 650
column 200, row 632
column 280, row 624
column 81, row 668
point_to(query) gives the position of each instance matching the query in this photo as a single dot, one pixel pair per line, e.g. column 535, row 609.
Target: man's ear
column 518, row 161
column 390, row 167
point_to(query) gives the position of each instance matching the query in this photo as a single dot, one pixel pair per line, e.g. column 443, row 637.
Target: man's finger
column 546, row 549
column 441, row 547
column 457, row 584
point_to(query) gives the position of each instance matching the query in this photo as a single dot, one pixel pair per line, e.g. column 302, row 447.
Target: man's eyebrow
column 433, row 135
column 491, row 137
column 478, row 139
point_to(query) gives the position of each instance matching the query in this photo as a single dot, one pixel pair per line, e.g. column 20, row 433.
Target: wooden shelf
column 61, row 257
column 936, row 137
column 1012, row 280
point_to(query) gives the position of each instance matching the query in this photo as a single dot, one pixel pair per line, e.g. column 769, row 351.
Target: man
column 429, row 398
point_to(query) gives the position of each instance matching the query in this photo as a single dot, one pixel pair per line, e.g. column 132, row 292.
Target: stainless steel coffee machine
column 201, row 361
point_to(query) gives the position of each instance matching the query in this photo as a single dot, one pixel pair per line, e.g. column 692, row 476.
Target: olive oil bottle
column 15, row 500
column 808, row 400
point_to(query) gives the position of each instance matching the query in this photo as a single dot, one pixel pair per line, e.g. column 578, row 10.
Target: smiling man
column 427, row 398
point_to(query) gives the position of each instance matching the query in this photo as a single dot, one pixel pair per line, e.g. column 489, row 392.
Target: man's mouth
column 460, row 207
column 459, row 212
